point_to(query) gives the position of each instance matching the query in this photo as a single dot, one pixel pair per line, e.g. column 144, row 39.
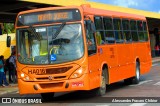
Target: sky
column 147, row 5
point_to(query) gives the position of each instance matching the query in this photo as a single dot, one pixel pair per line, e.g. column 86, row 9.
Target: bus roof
column 101, row 12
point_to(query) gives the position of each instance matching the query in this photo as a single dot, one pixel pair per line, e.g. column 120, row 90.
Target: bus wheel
column 137, row 77
column 102, row 89
column 47, row 96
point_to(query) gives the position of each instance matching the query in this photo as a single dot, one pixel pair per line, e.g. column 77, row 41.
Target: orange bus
column 79, row 48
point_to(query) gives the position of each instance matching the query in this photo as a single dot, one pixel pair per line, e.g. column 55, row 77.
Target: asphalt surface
column 147, row 90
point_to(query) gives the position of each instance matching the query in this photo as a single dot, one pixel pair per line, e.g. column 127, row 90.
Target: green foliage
column 8, row 27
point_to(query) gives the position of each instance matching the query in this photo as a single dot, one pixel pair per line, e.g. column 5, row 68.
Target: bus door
column 93, row 59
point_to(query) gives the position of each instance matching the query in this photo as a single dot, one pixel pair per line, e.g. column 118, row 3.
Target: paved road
column 149, row 86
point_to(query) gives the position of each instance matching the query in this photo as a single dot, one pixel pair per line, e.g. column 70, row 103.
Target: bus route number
column 37, row 71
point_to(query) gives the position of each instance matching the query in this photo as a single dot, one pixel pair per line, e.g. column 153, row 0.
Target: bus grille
column 57, row 70
column 54, row 78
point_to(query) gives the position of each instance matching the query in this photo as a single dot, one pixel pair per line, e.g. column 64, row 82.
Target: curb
column 10, row 89
column 5, row 92
column 155, row 61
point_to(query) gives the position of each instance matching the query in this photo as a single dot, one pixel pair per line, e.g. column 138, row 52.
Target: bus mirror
column 93, row 28
column 8, row 41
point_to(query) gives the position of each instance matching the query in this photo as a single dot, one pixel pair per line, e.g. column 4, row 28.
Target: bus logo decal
column 50, row 77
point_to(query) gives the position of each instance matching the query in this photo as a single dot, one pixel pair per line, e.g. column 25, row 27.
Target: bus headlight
column 22, row 75
column 25, row 77
column 78, row 73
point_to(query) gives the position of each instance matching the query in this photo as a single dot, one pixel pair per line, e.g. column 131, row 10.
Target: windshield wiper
column 36, row 34
column 59, row 30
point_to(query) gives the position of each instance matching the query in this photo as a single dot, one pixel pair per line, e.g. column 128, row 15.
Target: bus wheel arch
column 105, row 67
column 101, row 90
column 138, row 60
column 136, row 78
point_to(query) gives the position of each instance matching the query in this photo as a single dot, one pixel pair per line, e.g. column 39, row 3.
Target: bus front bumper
column 81, row 83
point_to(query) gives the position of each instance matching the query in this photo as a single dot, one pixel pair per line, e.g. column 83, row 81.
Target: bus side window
column 145, row 31
column 100, row 38
column 108, row 27
column 140, row 31
column 133, row 26
column 118, row 30
column 90, row 39
column 99, row 30
column 126, row 30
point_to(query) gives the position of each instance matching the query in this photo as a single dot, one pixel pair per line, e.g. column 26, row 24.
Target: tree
column 8, row 27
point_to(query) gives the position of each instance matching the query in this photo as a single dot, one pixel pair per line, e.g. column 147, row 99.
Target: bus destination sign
column 51, row 16
column 56, row 16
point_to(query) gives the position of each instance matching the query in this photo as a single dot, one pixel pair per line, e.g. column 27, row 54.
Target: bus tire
column 137, row 76
column 102, row 89
column 47, row 96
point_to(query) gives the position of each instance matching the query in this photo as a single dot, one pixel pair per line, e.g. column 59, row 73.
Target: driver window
column 90, row 39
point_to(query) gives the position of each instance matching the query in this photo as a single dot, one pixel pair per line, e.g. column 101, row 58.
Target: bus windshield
column 41, row 45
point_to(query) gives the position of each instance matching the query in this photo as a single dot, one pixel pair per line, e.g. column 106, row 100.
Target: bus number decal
column 37, row 71
column 112, row 53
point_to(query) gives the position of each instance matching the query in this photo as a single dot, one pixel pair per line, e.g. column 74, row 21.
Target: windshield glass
column 41, row 45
